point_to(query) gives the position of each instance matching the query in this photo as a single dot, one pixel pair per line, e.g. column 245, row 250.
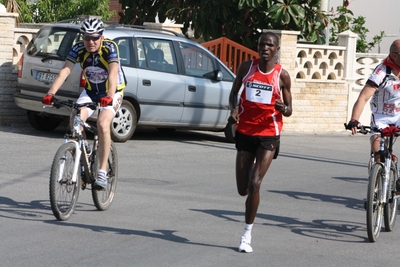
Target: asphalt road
column 176, row 205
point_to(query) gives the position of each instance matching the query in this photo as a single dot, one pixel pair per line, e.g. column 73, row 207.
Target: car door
column 160, row 89
column 206, row 101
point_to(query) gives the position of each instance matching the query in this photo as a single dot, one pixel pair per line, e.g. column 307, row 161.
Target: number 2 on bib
column 260, row 93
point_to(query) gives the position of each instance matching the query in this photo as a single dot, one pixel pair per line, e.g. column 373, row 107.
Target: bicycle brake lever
column 93, row 106
column 362, row 130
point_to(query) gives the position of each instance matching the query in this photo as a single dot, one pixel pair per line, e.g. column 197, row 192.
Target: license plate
column 46, row 77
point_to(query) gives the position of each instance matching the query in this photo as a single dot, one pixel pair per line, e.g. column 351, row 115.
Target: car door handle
column 146, row 82
column 192, row 88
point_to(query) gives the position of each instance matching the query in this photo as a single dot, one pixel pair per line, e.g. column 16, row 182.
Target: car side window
column 197, row 62
column 124, row 51
column 156, row 54
column 141, row 54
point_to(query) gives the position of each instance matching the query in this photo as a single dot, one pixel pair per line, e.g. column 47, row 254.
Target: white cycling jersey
column 386, row 99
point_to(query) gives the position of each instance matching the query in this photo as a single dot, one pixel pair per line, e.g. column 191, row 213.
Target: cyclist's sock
column 102, row 173
column 101, row 181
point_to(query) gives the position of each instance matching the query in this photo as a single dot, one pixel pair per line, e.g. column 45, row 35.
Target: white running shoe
column 245, row 245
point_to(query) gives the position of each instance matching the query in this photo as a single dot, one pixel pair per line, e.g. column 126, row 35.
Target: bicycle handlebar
column 387, row 131
column 364, row 129
column 57, row 103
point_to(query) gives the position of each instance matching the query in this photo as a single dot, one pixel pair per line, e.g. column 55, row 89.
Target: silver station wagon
column 173, row 82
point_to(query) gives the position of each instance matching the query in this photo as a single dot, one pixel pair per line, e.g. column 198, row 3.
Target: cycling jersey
column 95, row 67
column 257, row 113
column 386, row 99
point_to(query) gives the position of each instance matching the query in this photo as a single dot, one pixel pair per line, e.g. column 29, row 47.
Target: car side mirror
column 219, row 76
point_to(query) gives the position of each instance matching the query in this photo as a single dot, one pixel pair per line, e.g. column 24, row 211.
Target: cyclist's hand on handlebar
column 353, row 125
column 48, row 99
column 106, row 101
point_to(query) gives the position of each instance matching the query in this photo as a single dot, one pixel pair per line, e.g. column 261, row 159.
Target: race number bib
column 258, row 92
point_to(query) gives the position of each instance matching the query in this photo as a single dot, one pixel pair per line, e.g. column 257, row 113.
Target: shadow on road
column 342, row 231
column 141, row 133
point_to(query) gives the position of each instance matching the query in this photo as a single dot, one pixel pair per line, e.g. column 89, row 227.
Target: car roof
column 132, row 30
column 114, row 30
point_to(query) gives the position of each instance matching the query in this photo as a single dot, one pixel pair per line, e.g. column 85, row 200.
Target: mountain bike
column 382, row 199
column 74, row 168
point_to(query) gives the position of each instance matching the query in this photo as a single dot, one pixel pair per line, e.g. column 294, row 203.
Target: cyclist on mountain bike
column 105, row 80
column 383, row 86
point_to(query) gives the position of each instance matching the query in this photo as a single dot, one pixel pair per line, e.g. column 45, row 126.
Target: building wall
column 116, row 6
column 319, row 92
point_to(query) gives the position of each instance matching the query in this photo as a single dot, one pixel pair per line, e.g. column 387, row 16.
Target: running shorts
column 250, row 143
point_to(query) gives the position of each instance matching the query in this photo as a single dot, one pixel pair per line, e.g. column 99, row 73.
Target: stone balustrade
column 319, row 62
column 22, row 36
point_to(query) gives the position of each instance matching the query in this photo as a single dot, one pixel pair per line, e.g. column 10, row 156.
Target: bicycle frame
column 387, row 163
column 78, row 127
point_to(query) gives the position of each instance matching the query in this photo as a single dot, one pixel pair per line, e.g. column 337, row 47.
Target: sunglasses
column 93, row 38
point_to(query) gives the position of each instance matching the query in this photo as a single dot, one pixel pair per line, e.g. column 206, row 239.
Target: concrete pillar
column 8, row 77
column 348, row 39
column 288, row 49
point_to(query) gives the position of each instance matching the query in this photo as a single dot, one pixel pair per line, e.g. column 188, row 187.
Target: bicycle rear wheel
column 374, row 205
column 63, row 192
column 103, row 199
column 390, row 208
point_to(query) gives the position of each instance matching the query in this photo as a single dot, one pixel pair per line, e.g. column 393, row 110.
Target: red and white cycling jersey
column 386, row 99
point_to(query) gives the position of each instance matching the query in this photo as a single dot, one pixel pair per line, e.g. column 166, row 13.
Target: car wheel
column 229, row 131
column 43, row 123
column 124, row 123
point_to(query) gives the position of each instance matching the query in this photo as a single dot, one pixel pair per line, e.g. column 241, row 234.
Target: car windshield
column 55, row 42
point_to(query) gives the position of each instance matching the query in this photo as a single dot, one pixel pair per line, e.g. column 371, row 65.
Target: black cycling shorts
column 250, row 143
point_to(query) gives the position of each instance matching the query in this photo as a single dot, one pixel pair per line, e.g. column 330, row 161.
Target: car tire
column 229, row 131
column 43, row 123
column 124, row 123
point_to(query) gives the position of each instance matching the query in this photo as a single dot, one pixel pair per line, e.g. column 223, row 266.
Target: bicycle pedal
column 98, row 188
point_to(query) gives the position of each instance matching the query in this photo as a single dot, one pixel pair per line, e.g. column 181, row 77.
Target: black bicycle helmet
column 92, row 25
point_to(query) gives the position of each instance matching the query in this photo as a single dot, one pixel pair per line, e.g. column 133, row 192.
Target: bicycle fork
column 78, row 153
column 386, row 179
column 387, row 164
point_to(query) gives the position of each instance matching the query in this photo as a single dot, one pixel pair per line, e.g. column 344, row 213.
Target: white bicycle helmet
column 92, row 25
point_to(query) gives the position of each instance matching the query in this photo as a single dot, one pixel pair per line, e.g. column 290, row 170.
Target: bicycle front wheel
column 63, row 191
column 390, row 208
column 374, row 205
column 103, row 199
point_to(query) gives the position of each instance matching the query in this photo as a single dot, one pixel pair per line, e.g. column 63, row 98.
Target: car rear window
column 53, row 41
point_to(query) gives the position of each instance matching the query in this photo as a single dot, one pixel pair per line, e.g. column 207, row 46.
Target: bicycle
column 73, row 168
column 381, row 196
